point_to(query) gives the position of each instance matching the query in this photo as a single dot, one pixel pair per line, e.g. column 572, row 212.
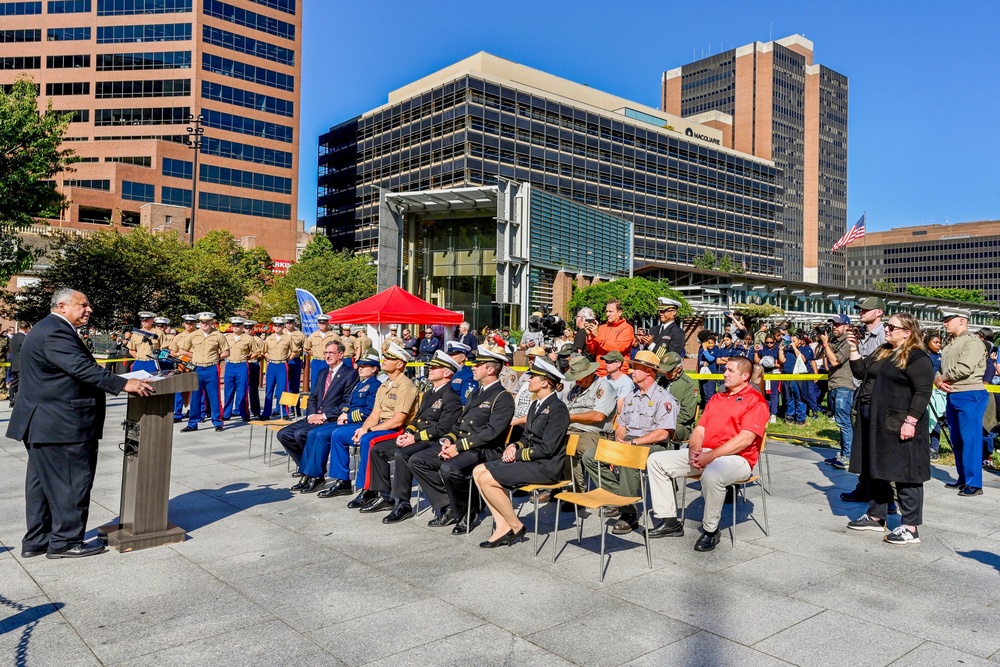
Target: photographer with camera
column 836, row 350
column 534, row 336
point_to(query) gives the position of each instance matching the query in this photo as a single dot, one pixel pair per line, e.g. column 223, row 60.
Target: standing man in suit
column 326, row 400
column 59, row 417
column 16, row 342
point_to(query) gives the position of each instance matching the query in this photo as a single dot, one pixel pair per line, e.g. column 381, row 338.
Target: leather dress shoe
column 969, row 491
column 505, row 540
column 852, row 497
column 82, row 550
column 362, row 499
column 707, row 541
column 188, row 429
column 31, row 553
column 544, row 496
column 380, row 505
column 663, row 530
column 301, row 483
column 219, row 429
column 312, row 486
column 441, row 520
column 625, row 525
column 461, row 528
column 954, row 485
column 401, row 512
column 340, row 488
column 178, row 420
column 612, row 512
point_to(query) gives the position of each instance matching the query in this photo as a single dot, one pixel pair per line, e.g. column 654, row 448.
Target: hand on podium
column 139, row 387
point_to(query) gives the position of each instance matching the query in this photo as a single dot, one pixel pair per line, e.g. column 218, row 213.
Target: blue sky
column 924, row 77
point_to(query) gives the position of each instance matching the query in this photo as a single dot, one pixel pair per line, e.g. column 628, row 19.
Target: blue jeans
column 965, row 422
column 795, row 405
column 843, row 399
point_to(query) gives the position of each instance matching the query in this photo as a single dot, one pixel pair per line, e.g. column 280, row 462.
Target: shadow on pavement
column 197, row 509
column 984, row 557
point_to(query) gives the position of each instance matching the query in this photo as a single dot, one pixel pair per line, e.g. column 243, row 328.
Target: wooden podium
column 149, row 434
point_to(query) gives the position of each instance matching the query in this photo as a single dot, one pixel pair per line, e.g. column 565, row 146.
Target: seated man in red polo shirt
column 723, row 447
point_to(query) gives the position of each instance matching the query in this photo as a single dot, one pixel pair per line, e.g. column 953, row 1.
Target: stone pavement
column 269, row 577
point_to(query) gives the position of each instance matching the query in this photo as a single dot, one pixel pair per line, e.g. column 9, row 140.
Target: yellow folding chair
column 534, row 489
column 615, row 454
column 287, row 399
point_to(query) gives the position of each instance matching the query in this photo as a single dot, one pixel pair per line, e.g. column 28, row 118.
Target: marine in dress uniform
column 208, row 347
column 237, row 372
column 144, row 348
column 348, row 340
column 253, row 370
column 295, row 359
column 363, row 343
column 479, row 435
column 393, row 337
column 163, row 324
column 277, row 348
column 315, row 347
column 394, row 405
column 437, row 413
column 358, row 407
column 178, row 343
column 462, row 382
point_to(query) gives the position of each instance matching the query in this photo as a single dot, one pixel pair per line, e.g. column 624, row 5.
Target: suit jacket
column 16, row 342
column 544, row 439
column 62, row 394
column 485, row 420
column 331, row 403
column 439, row 410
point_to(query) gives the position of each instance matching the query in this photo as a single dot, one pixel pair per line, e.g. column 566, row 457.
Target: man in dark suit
column 326, row 399
column 59, row 416
column 16, row 342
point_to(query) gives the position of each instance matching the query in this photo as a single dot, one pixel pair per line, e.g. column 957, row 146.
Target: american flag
column 853, row 234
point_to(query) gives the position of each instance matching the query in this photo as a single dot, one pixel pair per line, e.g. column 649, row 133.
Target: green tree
column 883, row 284
column 336, row 279
column 319, row 248
column 949, row 293
column 29, row 156
column 637, row 295
column 706, row 260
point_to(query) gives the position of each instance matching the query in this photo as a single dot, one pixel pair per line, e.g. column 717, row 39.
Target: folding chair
column 739, row 489
column 616, row 454
column 534, row 489
column 287, row 399
column 302, row 400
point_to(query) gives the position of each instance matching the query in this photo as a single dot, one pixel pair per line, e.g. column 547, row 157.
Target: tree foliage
column 753, row 311
column 708, row 260
column 884, row 285
column 335, row 278
column 949, row 293
column 30, row 154
column 637, row 295
column 124, row 273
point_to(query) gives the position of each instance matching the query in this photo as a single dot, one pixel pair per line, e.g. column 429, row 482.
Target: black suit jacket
column 439, row 410
column 62, row 394
column 16, row 342
column 544, row 440
column 332, row 402
column 485, row 419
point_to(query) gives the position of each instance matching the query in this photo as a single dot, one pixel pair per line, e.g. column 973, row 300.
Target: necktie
column 329, row 381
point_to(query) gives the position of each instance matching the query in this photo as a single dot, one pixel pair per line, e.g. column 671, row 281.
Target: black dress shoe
column 707, row 541
column 188, row 429
column 852, row 497
column 461, row 528
column 244, row 419
column 340, row 488
column 380, row 505
column 312, row 486
column 954, row 485
column 612, row 512
column 219, row 429
column 401, row 512
column 663, row 530
column 505, row 540
column 82, row 550
column 625, row 525
column 178, row 420
column 301, row 483
column 443, row 519
column 31, row 553
column 362, row 499
column 969, row 491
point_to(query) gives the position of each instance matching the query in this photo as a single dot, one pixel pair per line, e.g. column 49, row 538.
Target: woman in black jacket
column 892, row 426
column 539, row 457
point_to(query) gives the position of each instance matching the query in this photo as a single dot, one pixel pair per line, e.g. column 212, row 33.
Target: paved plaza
column 268, row 577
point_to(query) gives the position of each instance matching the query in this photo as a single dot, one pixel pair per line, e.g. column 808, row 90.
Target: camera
column 821, row 330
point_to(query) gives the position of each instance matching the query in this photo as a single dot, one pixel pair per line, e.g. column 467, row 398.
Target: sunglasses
column 891, row 327
column 768, row 342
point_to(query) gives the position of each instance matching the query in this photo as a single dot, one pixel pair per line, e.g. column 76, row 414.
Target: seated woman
column 539, row 457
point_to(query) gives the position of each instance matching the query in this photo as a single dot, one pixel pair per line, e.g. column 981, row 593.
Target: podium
column 149, row 434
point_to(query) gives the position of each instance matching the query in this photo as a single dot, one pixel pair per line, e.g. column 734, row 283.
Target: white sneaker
column 772, row 420
column 902, row 536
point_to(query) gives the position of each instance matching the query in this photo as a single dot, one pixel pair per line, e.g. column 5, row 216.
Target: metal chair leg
column 732, row 528
column 555, row 533
column 767, row 470
column 468, row 509
column 763, row 506
column 604, row 532
column 645, row 523
column 535, row 545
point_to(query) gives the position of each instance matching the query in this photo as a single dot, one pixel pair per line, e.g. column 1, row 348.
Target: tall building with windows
column 135, row 73
column 771, row 100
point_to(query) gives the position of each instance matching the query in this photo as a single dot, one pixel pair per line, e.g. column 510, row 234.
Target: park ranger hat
column 663, row 303
column 872, row 303
column 206, row 316
column 161, row 320
column 454, row 347
column 671, row 360
column 580, row 367
column 566, row 350
column 613, row 356
column 537, row 351
column 484, row 353
column 545, row 369
column 146, row 315
column 278, row 320
column 442, row 360
column 647, row 359
column 369, row 360
column 322, row 318
column 189, row 318
column 237, row 321
column 948, row 313
column 396, row 352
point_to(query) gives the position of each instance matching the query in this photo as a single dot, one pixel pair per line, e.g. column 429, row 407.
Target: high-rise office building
column 771, row 100
column 134, row 73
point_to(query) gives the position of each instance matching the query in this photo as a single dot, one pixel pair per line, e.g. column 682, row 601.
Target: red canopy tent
column 392, row 306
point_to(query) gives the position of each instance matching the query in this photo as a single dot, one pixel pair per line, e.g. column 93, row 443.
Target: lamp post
column 194, row 142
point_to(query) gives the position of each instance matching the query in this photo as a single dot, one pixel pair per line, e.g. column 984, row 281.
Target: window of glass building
column 74, row 61
column 21, row 62
column 68, row 34
column 146, row 116
column 97, row 216
column 175, row 196
column 177, row 168
column 246, row 72
column 287, row 6
column 248, row 45
column 209, row 201
column 69, row 6
column 137, row 160
column 13, row 36
column 72, row 88
column 243, row 125
column 147, row 88
column 20, row 8
column 247, row 152
column 127, row 7
column 109, row 62
column 241, row 179
column 130, row 218
column 89, row 184
column 153, row 32
column 227, row 12
column 134, row 191
column 247, row 99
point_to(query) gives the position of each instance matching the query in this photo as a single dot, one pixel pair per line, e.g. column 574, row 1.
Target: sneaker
column 830, row 461
column 867, row 523
column 902, row 535
column 772, row 420
column 839, row 464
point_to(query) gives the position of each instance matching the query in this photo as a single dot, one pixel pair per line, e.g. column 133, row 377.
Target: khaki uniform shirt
column 144, row 350
column 299, row 341
column 180, row 342
column 206, row 348
column 600, row 396
column 645, row 412
column 399, row 395
column 168, row 337
column 963, row 362
column 317, row 342
column 277, row 348
column 362, row 344
column 258, row 348
column 348, row 342
column 240, row 349
column 391, row 339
